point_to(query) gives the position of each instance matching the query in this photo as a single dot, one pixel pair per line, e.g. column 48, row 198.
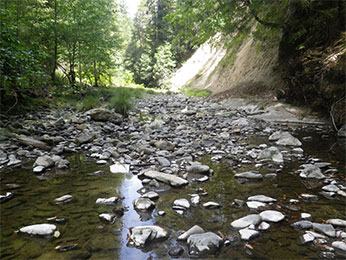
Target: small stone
column 263, row 226
column 307, row 238
column 161, row 213
column 340, row 245
column 327, row 229
column 194, row 230
column 195, row 198
column 247, row 234
column 184, row 203
column 39, row 229
column 151, row 195
column 255, row 204
column 302, row 224
column 249, row 175
column 305, row 215
column 64, row 199
column 176, row 252
column 211, row 205
column 272, row 215
column 204, row 244
column 39, row 169
column 120, row 168
column 107, row 201
column 6, row 197
column 261, row 198
column 331, row 188
column 143, row 204
column 337, row 222
column 252, row 219
column 107, row 217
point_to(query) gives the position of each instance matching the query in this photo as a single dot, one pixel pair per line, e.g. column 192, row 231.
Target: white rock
column 247, row 234
column 246, row 221
column 107, row 217
column 261, row 198
column 62, row 199
column 195, row 198
column 337, row 222
column 211, row 205
column 272, row 216
column 339, row 245
column 151, row 195
column 107, row 201
column 39, row 169
column 263, row 226
column 307, row 238
column 305, row 215
column 120, row 168
column 141, row 235
column 39, row 229
column 255, row 204
column 182, row 203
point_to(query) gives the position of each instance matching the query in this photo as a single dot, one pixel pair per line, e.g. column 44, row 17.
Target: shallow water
column 33, row 204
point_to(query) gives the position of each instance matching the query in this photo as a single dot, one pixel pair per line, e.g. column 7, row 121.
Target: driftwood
column 31, row 141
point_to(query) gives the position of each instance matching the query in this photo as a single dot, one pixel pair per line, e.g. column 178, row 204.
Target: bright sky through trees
column 132, row 6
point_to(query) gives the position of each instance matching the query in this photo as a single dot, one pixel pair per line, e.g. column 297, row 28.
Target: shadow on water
column 33, row 204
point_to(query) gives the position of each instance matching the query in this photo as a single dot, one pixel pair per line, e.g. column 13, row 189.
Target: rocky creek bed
column 180, row 177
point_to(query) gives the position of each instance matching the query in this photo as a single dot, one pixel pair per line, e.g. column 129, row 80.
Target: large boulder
column 252, row 219
column 272, row 153
column 142, row 235
column 45, row 161
column 204, row 244
column 143, row 204
column 311, row 171
column 194, row 230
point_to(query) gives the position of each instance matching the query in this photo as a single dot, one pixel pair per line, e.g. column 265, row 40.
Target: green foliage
column 164, row 65
column 195, row 92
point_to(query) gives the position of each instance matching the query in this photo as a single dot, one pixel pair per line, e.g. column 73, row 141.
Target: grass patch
column 120, row 99
column 195, row 92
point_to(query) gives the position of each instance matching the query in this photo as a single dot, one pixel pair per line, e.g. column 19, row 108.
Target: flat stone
column 263, row 226
column 337, row 222
column 340, row 245
column 326, row 229
column 142, row 235
column 63, row 199
column 316, row 235
column 304, row 224
column 211, row 205
column 261, row 198
column 85, row 137
column 278, row 135
column 151, row 195
column 195, row 198
column 39, row 229
column 173, row 180
column 184, row 203
column 194, row 230
column 143, row 204
column 272, row 216
column 252, row 219
column 331, row 188
column 311, row 171
column 204, row 244
column 203, row 179
column 249, row 175
column 255, row 204
column 107, row 201
column 45, row 161
column 307, row 238
column 247, row 234
column 176, row 252
column 198, row 168
column 6, row 197
column 272, row 153
column 29, row 141
column 310, row 197
column 305, row 215
column 120, row 168
column 163, row 161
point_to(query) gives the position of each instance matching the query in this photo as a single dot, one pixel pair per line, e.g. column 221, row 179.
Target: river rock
column 176, row 252
column 252, row 219
column 310, row 197
column 39, row 169
column 211, row 205
column 303, row 224
column 195, row 198
column 198, row 168
column 104, row 115
column 45, row 161
column 107, row 201
column 279, row 135
column 164, row 145
column 184, row 203
column 173, row 180
column 249, row 175
column 13, row 161
column 337, row 222
column 163, row 161
column 151, row 195
column 307, row 238
column 247, row 234
column 326, row 229
column 255, row 204
column 107, row 217
column 120, row 168
column 311, row 171
column 285, row 139
column 63, row 199
column 6, row 197
column 272, row 153
column 340, row 245
column 272, row 216
column 39, row 229
column 142, row 235
column 29, row 141
column 263, row 226
column 204, row 244
column 331, row 188
column 143, row 204
column 261, row 198
column 85, row 137
column 194, row 230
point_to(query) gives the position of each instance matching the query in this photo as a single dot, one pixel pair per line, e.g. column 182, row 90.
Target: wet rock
column 63, row 164
column 272, row 153
column 326, row 229
column 161, row 213
column 263, row 226
column 307, row 238
column 272, row 216
column 247, row 234
column 337, row 222
column 204, row 244
column 176, row 252
column 194, row 230
column 285, row 139
column 198, row 168
column 315, row 235
column 39, row 229
column 340, row 245
column 195, row 198
column 184, row 203
column 110, row 218
column 311, row 171
column 39, row 169
column 63, row 199
column 331, row 188
column 13, row 161
column 65, row 248
column 305, row 215
column 173, row 180
column 6, row 197
column 107, row 201
column 261, row 198
column 104, row 115
column 45, row 161
column 249, row 175
column 151, row 195
column 142, row 235
column 156, row 124
column 304, row 224
column 252, row 219
column 255, row 204
column 97, row 173
column 143, row 204
column 279, row 135
column 309, row 197
column 211, row 205
column 164, row 145
column 203, row 179
column 120, row 168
